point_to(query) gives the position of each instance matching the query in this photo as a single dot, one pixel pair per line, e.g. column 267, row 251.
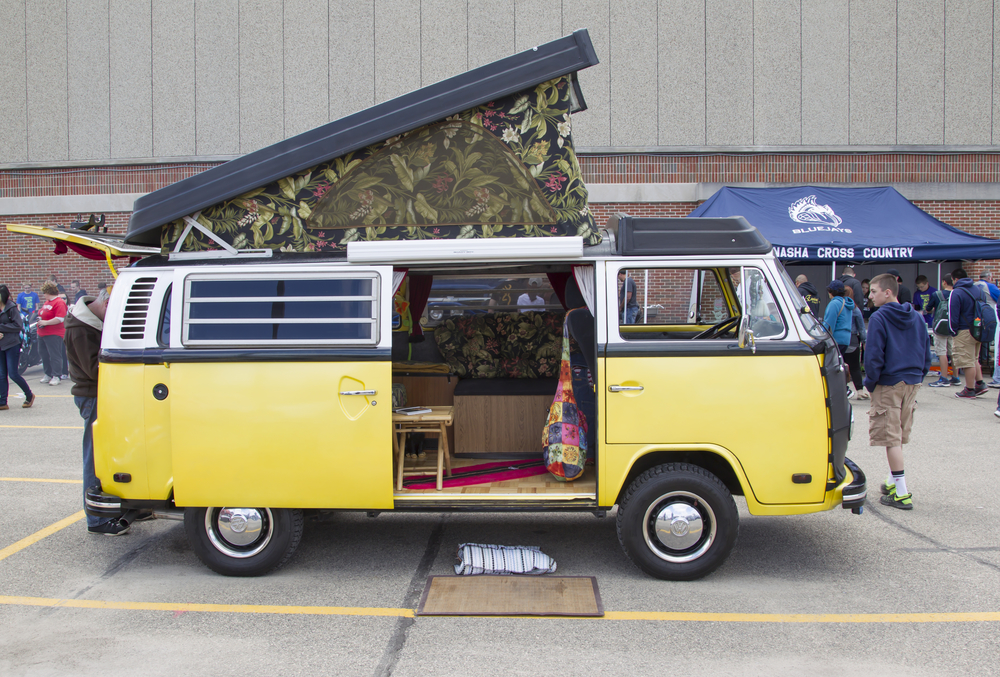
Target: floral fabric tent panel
column 505, row 167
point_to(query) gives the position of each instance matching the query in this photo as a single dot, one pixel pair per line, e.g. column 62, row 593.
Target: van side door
column 281, row 387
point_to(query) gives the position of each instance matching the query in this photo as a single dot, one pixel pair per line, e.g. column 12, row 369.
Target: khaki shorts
column 966, row 351
column 890, row 416
column 944, row 345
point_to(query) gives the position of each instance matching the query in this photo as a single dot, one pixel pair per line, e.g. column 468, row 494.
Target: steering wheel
column 719, row 328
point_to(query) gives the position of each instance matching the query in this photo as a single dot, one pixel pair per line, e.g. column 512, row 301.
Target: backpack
column 940, row 322
column 984, row 325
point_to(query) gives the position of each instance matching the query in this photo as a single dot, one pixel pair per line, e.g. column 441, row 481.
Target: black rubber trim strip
column 707, row 348
column 175, row 356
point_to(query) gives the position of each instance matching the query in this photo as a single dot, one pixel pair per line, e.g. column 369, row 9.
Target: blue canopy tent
column 813, row 224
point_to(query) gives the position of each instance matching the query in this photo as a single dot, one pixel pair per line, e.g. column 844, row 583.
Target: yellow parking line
column 39, row 535
column 970, row 617
column 63, row 427
column 212, row 608
column 973, row 617
column 35, row 479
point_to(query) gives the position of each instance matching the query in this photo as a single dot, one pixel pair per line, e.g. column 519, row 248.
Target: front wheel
column 243, row 541
column 677, row 522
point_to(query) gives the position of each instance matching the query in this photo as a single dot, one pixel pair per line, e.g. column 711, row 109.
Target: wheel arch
column 711, row 460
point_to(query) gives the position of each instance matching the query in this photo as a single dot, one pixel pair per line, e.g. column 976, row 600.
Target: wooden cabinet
column 499, row 423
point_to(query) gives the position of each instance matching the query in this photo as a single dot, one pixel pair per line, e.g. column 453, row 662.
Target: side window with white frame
column 274, row 309
column 670, row 303
column 765, row 317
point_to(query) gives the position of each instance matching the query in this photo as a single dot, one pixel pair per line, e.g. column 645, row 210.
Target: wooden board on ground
column 511, row 596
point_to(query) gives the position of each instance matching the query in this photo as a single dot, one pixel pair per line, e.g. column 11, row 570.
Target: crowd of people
column 35, row 318
column 892, row 331
column 69, row 339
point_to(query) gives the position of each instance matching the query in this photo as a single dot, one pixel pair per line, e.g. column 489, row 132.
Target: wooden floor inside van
column 525, row 488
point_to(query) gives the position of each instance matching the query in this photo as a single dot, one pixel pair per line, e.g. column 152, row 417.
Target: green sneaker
column 901, row 502
column 888, row 489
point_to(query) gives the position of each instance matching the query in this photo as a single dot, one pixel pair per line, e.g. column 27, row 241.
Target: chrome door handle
column 619, row 389
column 358, row 392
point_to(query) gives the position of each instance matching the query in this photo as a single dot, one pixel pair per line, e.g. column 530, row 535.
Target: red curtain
column 558, row 283
column 420, row 291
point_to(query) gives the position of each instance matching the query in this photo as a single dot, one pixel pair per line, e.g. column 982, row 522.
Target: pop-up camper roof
column 488, row 153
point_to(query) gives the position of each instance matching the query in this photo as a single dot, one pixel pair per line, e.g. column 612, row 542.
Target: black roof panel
column 688, row 236
column 385, row 120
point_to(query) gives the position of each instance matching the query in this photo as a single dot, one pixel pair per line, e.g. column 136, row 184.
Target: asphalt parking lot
column 914, row 593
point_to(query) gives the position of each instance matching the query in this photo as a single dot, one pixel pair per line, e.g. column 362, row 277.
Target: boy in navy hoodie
column 897, row 358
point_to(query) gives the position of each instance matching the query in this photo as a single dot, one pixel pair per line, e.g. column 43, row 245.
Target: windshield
column 809, row 321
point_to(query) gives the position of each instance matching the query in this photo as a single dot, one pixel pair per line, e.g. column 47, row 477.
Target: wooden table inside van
column 435, row 422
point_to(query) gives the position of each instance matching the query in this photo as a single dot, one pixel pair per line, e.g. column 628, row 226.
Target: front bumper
column 854, row 493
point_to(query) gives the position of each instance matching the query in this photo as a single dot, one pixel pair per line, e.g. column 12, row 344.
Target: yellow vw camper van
column 249, row 360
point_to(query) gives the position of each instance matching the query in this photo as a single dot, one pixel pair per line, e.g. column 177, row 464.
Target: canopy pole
column 833, row 270
column 939, row 274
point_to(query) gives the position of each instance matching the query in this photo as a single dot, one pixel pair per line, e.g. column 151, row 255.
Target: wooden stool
column 435, row 422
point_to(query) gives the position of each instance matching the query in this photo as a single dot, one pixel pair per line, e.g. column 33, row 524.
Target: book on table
column 412, row 411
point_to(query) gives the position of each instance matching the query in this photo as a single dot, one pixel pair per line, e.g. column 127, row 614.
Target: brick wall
column 94, row 180
column 24, row 258
column 792, row 168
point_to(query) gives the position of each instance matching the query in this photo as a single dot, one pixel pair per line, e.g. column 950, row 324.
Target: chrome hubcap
column 679, row 527
column 239, row 532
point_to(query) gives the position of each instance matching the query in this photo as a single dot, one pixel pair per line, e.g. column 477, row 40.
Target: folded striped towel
column 478, row 558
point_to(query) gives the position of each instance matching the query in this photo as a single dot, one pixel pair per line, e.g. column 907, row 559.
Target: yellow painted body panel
column 159, row 459
column 279, row 434
column 120, row 430
column 767, row 412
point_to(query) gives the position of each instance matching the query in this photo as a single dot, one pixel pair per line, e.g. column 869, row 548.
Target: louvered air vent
column 136, row 308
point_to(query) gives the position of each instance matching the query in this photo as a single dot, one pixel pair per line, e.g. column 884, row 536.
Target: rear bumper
column 99, row 504
column 854, row 493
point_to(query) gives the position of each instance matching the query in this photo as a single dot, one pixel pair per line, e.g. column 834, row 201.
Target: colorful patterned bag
column 564, row 437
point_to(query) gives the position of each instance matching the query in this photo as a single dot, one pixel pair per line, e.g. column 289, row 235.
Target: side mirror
column 746, row 334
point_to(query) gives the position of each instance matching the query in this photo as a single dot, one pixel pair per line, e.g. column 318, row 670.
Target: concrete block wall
column 107, row 80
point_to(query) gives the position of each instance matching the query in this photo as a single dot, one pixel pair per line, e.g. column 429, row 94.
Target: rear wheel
column 243, row 541
column 677, row 522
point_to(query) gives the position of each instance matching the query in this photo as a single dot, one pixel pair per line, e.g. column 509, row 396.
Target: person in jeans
column 10, row 349
column 83, row 345
column 852, row 356
column 897, row 358
column 944, row 346
column 51, row 332
column 961, row 313
column 628, row 305
column 838, row 319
